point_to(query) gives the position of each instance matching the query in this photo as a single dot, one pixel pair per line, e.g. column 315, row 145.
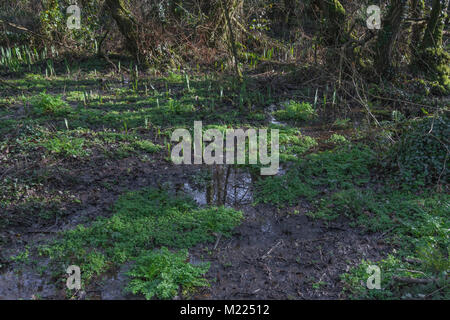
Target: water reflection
column 226, row 185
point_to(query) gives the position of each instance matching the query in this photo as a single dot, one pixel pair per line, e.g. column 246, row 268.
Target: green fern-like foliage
column 162, row 273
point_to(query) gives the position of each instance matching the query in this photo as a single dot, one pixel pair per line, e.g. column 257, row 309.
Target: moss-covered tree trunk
column 127, row 25
column 417, row 11
column 433, row 59
column 336, row 21
column 387, row 37
column 435, row 26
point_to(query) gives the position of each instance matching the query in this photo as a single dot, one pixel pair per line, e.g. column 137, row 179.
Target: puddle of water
column 272, row 108
column 228, row 185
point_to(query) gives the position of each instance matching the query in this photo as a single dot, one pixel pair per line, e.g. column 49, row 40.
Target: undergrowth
column 142, row 220
column 344, row 182
column 161, row 273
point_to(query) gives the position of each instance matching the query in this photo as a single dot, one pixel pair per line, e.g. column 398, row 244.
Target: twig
column 217, row 241
column 280, row 242
column 430, row 294
column 314, row 240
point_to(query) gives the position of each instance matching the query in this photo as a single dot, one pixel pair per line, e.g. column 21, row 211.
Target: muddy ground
column 273, row 254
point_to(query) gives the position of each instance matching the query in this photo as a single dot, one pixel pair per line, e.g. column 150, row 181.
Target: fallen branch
column 413, row 280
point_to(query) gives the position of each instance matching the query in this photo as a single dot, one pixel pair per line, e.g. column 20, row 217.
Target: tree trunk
column 435, row 25
column 433, row 59
column 232, row 39
column 336, row 24
column 387, row 36
column 417, row 10
column 127, row 25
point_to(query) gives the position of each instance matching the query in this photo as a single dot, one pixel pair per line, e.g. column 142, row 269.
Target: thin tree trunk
column 417, row 10
column 232, row 40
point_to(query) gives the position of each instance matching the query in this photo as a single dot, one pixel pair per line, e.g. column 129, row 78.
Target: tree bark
column 417, row 10
column 433, row 60
column 387, row 36
column 435, row 26
column 336, row 24
column 127, row 25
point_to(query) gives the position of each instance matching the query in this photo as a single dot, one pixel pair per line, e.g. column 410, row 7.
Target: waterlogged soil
column 273, row 254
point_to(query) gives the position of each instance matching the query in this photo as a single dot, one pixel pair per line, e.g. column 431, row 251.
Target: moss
column 435, row 27
column 432, row 59
column 417, row 9
column 335, row 14
column 388, row 36
column 435, row 62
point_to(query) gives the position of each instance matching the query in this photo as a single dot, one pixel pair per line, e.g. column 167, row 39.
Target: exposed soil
column 273, row 254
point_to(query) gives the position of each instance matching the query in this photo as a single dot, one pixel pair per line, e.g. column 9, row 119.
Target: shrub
column 421, row 154
column 337, row 139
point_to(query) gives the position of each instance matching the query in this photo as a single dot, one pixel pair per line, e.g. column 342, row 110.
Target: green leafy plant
column 283, row 190
column 421, row 155
column 65, row 145
column 142, row 220
column 46, row 104
column 161, row 274
column 337, row 139
column 296, row 111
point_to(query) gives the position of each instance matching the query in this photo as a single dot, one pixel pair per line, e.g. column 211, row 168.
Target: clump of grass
column 298, row 111
column 65, row 145
column 284, row 190
column 147, row 146
column 47, row 104
column 161, row 273
column 342, row 167
column 337, row 139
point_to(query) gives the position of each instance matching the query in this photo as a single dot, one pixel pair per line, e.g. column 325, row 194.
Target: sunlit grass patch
column 298, row 111
column 47, row 104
